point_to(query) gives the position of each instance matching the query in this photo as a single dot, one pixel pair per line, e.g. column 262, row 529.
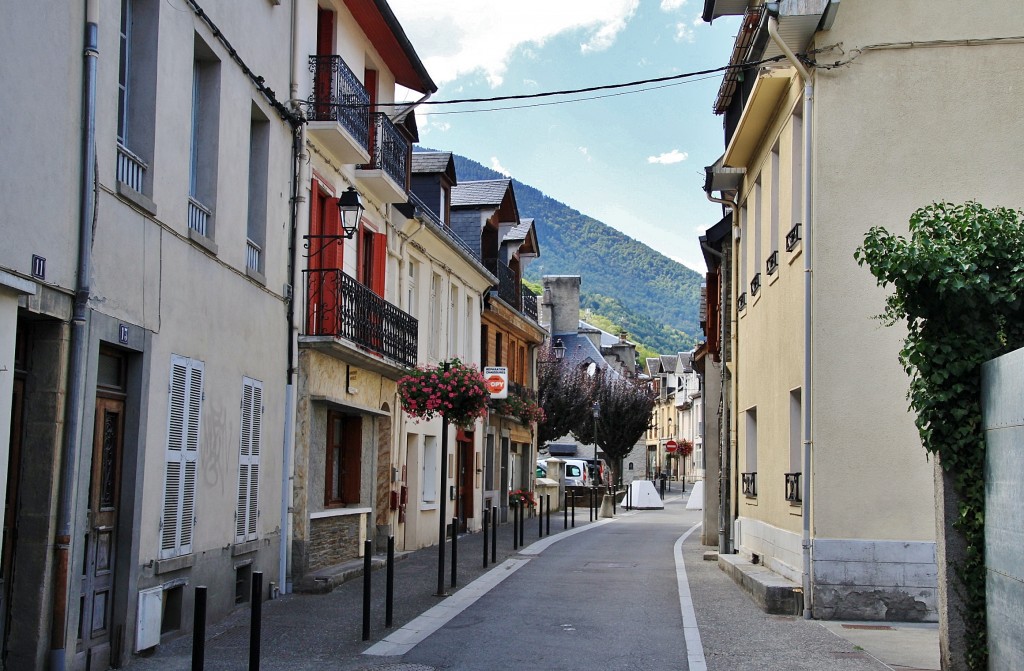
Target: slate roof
column 668, row 363
column 481, row 192
column 520, row 231
column 431, row 161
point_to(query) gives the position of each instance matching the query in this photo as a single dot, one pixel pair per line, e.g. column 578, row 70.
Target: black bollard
column 565, row 512
column 522, row 526
column 494, row 534
column 486, row 516
column 515, row 527
column 540, row 517
column 455, row 549
column 199, row 630
column 389, row 600
column 367, row 557
column 591, row 505
column 547, row 521
column 254, row 620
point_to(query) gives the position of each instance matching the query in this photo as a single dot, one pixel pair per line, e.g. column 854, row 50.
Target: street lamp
column 558, row 349
column 350, row 207
column 596, row 408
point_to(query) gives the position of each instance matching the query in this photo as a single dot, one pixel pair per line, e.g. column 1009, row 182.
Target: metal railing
column 338, row 95
column 530, row 304
column 749, row 484
column 793, row 237
column 389, row 151
column 252, row 255
column 741, row 301
column 772, row 264
column 755, row 284
column 793, row 487
column 198, row 217
column 131, row 170
column 509, row 289
column 338, row 305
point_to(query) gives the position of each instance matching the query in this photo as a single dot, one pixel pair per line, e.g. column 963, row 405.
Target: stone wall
column 332, row 540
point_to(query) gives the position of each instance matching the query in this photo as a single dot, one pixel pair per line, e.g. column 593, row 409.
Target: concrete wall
column 561, row 303
column 1002, row 389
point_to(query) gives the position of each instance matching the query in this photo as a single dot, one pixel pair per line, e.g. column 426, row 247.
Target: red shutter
column 314, row 279
column 380, row 262
column 351, row 458
column 335, row 250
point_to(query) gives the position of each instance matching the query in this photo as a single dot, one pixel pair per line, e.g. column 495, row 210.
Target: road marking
column 691, row 634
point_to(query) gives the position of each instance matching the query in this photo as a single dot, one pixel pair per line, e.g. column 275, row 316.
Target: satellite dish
column 591, row 369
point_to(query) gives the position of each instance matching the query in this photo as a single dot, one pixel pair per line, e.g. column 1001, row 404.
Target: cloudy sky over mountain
column 631, row 157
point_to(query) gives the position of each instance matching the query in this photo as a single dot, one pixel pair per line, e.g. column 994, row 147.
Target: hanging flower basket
column 520, row 406
column 522, row 498
column 452, row 390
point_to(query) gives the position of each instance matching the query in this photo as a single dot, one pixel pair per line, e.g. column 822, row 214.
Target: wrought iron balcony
column 387, row 171
column 339, row 109
column 793, row 237
column 741, row 302
column 530, row 304
column 793, row 487
column 749, row 484
column 772, row 265
column 509, row 287
column 339, row 306
column 755, row 284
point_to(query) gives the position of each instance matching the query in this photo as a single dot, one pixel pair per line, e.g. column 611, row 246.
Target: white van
column 576, row 474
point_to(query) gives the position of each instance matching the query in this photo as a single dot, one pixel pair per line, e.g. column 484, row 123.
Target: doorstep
column 772, row 592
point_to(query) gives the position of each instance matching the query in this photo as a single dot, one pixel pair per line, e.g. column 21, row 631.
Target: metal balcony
column 793, row 487
column 772, row 265
column 338, row 305
column 509, row 287
column 749, row 486
column 793, row 237
column 386, row 172
column 741, row 302
column 755, row 284
column 339, row 110
column 530, row 304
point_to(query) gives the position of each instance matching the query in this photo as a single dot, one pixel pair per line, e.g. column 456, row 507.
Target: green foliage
column 653, row 297
column 956, row 285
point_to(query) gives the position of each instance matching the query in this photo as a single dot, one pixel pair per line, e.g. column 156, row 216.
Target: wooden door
column 467, row 468
column 11, row 514
column 97, row 594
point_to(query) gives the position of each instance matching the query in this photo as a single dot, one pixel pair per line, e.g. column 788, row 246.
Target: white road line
column 691, row 634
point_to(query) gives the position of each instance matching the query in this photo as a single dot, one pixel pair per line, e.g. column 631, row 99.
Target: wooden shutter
column 247, row 511
column 351, row 458
column 182, row 453
column 380, row 260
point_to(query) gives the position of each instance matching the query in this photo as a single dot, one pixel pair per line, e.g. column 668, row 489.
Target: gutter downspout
column 725, row 540
column 79, row 336
column 808, row 441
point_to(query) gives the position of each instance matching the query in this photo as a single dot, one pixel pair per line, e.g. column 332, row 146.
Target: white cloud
column 669, row 157
column 498, row 167
column 454, row 38
column 586, row 153
column 671, row 5
column 684, row 33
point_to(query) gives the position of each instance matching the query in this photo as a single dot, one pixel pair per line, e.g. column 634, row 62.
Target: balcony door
column 326, row 251
column 324, row 49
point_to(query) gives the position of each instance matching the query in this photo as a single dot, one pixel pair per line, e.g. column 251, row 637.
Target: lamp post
column 350, row 207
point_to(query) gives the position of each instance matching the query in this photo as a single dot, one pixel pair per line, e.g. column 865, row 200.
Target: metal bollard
column 455, row 548
column 255, row 620
column 486, row 516
column 515, row 527
column 367, row 557
column 389, row 600
column 199, row 630
column 540, row 517
column 565, row 512
column 494, row 534
column 591, row 491
column 547, row 522
column 522, row 526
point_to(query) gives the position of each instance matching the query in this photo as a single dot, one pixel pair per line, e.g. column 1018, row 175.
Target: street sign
column 496, row 381
column 671, row 446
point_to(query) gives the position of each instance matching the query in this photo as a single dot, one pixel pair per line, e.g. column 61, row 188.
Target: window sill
column 424, row 505
column 135, row 198
column 173, row 564
column 203, row 242
column 245, row 548
column 774, row 277
column 339, row 512
column 256, row 276
column 795, row 253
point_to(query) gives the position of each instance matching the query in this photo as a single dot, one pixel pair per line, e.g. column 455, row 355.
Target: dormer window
column 442, row 206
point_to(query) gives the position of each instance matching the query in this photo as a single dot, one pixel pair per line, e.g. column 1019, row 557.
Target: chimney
column 561, row 303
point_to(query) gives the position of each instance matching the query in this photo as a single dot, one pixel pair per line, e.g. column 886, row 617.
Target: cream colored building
column 908, row 112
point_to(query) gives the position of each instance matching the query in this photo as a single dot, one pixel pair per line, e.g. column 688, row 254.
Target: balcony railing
column 772, row 265
column 339, row 306
column 793, row 487
column 750, row 484
column 755, row 284
column 793, row 237
column 131, row 170
column 389, row 151
column 509, row 288
column 530, row 304
column 338, row 95
column 741, row 302
column 252, row 255
column 198, row 217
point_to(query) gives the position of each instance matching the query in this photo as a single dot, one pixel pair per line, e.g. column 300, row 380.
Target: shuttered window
column 183, row 424
column 247, row 512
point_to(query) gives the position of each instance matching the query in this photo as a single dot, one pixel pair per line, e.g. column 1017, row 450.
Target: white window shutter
column 247, row 511
column 183, row 426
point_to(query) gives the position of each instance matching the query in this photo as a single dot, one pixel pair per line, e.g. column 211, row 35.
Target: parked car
column 576, row 472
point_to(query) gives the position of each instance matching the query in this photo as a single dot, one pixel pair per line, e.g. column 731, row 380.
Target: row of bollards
column 255, row 621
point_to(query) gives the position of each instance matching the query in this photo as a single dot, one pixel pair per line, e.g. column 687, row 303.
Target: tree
column 564, row 392
column 624, row 416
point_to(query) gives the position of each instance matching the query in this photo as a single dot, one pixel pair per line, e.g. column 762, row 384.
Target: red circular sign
column 671, row 446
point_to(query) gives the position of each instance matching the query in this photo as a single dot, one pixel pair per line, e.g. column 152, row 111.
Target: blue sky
column 636, row 161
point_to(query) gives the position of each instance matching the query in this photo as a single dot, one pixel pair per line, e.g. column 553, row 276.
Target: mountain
column 628, row 283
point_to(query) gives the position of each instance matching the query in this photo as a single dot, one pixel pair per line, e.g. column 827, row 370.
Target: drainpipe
column 805, row 76
column 725, row 520
column 75, row 409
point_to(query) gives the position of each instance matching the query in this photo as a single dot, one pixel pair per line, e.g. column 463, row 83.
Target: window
column 798, row 169
column 755, row 251
column 453, row 321
column 412, row 294
column 428, row 481
column 325, row 259
column 344, row 459
column 489, row 463
column 442, row 207
column 259, row 161
column 202, row 186
column 435, row 316
column 136, row 92
column 497, row 349
column 184, row 411
column 751, row 441
column 468, row 337
column 485, row 345
column 795, row 432
column 247, row 511
column 373, row 258
column 773, row 241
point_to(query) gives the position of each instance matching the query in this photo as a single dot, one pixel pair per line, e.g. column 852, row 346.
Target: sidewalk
column 303, row 632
